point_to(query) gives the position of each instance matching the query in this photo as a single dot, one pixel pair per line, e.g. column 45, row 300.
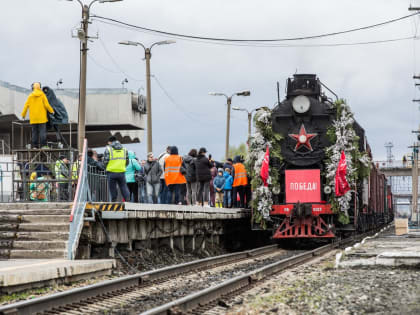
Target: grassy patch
column 25, row 295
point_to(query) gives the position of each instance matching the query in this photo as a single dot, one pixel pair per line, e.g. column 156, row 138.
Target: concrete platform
column 178, row 212
column 385, row 249
column 139, row 226
column 18, row 275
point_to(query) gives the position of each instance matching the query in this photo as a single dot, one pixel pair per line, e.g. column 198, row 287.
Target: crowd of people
column 192, row 179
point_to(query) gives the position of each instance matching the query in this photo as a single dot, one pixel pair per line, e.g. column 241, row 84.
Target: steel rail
column 191, row 301
column 76, row 295
column 203, row 297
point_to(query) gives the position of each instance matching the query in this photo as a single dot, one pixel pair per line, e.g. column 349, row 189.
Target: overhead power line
column 116, row 64
column 274, row 45
column 235, row 40
column 181, row 109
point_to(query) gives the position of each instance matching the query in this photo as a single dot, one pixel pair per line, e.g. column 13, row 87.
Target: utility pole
column 81, row 126
column 415, row 183
column 83, row 36
column 148, row 56
column 249, row 125
column 249, row 118
column 415, row 170
column 229, row 103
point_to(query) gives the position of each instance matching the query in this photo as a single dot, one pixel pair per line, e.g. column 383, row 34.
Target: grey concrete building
column 116, row 112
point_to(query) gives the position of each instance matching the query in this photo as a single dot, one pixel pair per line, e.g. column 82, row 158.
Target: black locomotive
column 303, row 209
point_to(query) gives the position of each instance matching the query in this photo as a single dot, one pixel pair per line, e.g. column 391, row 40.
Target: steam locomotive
column 301, row 209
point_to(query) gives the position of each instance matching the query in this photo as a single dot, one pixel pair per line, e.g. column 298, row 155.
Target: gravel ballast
column 319, row 288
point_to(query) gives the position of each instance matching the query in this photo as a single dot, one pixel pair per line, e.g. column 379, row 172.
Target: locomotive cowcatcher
column 301, row 209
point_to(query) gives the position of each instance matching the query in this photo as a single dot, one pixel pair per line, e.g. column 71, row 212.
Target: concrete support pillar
column 142, row 230
column 166, row 241
column 129, row 246
column 189, row 243
column 216, row 239
column 209, row 240
column 179, row 243
column 132, row 230
column 122, row 231
column 83, row 251
column 200, row 242
column 111, row 250
column 112, row 230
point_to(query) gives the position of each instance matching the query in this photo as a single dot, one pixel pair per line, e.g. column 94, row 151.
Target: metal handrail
column 81, row 197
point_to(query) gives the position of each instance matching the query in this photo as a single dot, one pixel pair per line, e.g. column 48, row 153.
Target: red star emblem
column 303, row 138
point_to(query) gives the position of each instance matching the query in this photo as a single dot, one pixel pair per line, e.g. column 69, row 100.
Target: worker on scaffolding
column 38, row 105
column 62, row 174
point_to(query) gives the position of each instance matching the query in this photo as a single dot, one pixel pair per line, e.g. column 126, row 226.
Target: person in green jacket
column 62, row 173
column 130, row 176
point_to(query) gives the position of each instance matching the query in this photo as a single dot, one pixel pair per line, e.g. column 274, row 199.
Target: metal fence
column 19, row 184
column 98, row 184
column 35, row 182
column 394, row 164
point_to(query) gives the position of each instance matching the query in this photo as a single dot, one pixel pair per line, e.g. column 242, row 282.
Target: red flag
column 265, row 167
column 341, row 184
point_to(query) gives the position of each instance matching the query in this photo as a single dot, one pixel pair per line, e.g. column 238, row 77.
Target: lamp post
column 229, row 102
column 147, row 56
column 249, row 117
column 82, row 34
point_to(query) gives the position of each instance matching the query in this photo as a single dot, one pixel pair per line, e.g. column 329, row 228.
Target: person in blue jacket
column 227, row 197
column 130, row 176
column 219, row 186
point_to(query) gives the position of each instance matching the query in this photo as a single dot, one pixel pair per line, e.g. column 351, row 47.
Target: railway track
column 191, row 287
column 203, row 300
column 151, row 285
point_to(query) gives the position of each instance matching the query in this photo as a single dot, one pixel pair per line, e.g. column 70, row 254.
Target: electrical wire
column 173, row 101
column 181, row 108
column 187, row 114
column 264, row 45
column 101, row 66
column 178, row 35
column 116, row 64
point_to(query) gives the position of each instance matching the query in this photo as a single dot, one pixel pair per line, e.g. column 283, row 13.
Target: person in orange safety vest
column 174, row 170
column 240, row 181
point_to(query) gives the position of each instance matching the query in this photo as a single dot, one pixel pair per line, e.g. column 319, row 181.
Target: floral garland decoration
column 262, row 196
column 344, row 138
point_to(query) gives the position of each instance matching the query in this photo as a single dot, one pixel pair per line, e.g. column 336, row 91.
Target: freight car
column 303, row 207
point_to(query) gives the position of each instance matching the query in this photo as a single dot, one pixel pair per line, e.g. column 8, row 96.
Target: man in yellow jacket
column 38, row 106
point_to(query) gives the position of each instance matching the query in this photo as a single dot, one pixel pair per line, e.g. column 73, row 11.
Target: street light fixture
column 229, row 102
column 249, row 117
column 83, row 37
column 148, row 55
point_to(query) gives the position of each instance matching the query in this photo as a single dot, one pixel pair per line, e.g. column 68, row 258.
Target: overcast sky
column 376, row 80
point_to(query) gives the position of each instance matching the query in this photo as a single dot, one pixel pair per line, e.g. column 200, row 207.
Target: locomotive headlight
column 302, row 139
column 301, row 104
column 327, row 190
